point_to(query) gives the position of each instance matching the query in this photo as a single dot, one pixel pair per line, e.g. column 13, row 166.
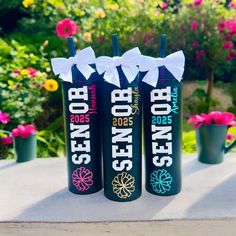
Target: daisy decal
column 161, row 181
column 123, row 185
column 82, row 178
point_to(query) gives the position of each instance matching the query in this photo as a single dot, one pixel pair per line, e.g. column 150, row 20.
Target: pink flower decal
column 82, row 178
column 66, row 28
column 214, row 117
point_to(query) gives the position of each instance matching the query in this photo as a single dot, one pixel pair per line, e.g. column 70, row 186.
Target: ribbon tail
column 151, row 77
column 59, row 65
column 130, row 72
column 177, row 72
column 67, row 77
column 102, row 63
column 112, row 77
column 86, row 70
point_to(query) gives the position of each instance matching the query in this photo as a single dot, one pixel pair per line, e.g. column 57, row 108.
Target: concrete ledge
column 36, row 191
column 151, row 228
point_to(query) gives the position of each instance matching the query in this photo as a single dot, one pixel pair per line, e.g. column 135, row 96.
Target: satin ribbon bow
column 174, row 63
column 62, row 66
column 128, row 62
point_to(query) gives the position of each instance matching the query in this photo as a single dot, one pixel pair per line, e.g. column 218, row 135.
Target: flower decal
column 123, row 185
column 161, row 181
column 82, row 178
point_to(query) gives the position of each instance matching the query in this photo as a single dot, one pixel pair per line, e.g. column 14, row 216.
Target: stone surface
column 37, row 191
column 144, row 228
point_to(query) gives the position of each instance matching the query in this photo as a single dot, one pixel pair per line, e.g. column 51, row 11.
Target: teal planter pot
column 211, row 141
column 25, row 148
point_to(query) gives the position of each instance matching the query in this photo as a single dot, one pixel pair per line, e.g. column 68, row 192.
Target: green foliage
column 51, row 140
column 7, row 5
column 24, row 98
column 189, row 142
column 137, row 22
column 21, row 95
column 232, row 89
column 197, row 102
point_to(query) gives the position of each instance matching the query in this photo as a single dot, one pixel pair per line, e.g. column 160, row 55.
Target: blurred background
column 31, row 32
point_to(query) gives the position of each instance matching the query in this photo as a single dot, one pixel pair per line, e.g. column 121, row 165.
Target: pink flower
column 6, row 140
column 164, row 5
column 82, row 178
column 199, row 55
column 100, row 38
column 230, row 137
column 221, row 118
column 15, row 86
column 232, row 4
column 194, row 25
column 196, row 120
column 228, row 58
column 149, row 38
column 32, row 72
column 4, row 118
column 16, row 72
column 221, row 27
column 228, row 45
column 215, row 117
column 206, row 119
column 195, row 44
column 232, row 53
column 65, row 28
column 24, row 131
column 197, row 3
column 228, row 26
column 229, row 36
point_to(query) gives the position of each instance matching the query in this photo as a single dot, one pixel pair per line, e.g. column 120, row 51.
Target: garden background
column 31, row 36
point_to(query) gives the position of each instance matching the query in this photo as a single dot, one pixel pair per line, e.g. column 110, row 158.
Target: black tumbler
column 122, row 139
column 83, row 133
column 162, row 109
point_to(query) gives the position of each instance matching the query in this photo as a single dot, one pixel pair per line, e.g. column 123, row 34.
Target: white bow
column 174, row 63
column 62, row 66
column 128, row 62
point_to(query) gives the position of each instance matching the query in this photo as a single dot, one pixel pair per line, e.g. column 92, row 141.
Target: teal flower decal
column 161, row 181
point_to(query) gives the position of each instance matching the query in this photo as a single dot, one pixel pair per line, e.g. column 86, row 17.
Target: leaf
column 199, row 93
column 41, row 139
